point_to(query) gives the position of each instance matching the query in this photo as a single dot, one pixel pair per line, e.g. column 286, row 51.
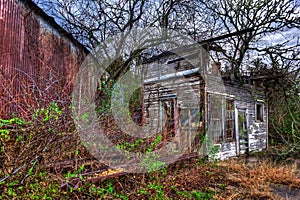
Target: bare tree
column 269, row 19
column 270, row 50
column 93, row 21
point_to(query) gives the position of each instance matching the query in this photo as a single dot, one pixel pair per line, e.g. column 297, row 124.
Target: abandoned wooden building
column 186, row 95
column 38, row 59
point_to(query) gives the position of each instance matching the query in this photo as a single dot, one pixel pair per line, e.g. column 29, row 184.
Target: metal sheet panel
column 37, row 64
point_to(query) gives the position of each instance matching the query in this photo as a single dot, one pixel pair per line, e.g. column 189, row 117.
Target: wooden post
column 189, row 135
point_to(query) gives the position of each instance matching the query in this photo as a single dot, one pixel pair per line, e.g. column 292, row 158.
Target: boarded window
column 259, row 112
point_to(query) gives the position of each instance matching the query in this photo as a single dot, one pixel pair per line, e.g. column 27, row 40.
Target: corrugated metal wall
column 37, row 64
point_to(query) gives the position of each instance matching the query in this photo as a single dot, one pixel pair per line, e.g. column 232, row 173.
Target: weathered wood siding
column 226, row 150
column 218, row 101
column 245, row 98
column 178, row 80
column 38, row 59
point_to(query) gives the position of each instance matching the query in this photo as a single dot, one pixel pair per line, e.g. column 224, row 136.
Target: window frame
column 259, row 111
column 229, row 121
column 223, row 136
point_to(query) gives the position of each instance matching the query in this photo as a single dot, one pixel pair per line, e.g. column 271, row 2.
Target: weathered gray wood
column 191, row 85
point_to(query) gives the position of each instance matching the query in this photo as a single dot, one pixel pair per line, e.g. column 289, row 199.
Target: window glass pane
column 229, row 124
column 215, row 118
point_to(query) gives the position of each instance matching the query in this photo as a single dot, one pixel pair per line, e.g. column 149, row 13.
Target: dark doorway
column 168, row 116
column 243, row 131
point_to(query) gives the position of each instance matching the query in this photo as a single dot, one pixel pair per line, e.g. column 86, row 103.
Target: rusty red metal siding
column 37, row 63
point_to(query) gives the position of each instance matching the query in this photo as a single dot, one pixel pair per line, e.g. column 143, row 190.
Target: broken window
column 259, row 112
column 215, row 118
column 229, row 125
column 190, row 117
column 221, row 119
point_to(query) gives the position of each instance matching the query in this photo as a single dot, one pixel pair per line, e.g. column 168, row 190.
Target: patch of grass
column 230, row 179
column 255, row 181
column 36, row 146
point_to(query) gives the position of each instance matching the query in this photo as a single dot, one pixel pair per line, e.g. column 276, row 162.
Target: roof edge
column 51, row 21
